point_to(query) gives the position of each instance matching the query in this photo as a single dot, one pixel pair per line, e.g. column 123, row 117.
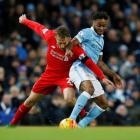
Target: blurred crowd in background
column 23, row 57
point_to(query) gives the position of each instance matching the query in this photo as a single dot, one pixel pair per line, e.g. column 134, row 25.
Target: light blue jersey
column 92, row 43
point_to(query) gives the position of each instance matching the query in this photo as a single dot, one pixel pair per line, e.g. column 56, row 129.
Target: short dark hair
column 63, row 31
column 100, row 15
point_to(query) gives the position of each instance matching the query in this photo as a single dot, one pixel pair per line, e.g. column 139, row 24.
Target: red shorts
column 47, row 85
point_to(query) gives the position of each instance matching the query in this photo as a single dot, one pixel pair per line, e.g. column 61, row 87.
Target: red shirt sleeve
column 94, row 68
column 38, row 28
column 80, row 54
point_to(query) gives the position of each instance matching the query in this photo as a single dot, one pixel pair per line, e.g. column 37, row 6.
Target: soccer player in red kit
column 58, row 66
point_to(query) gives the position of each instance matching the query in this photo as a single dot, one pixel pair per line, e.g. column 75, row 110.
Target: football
column 68, row 123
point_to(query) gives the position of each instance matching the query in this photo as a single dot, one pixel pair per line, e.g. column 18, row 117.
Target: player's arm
column 79, row 52
column 75, row 41
column 38, row 28
column 116, row 78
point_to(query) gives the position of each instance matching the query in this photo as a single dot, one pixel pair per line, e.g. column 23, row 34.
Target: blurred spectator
column 122, row 117
column 135, row 75
column 112, row 44
column 6, row 110
column 123, row 53
column 126, row 68
column 16, row 96
column 2, row 82
column 130, row 86
column 113, row 63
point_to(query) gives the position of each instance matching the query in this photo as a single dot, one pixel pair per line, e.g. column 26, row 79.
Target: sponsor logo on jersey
column 59, row 56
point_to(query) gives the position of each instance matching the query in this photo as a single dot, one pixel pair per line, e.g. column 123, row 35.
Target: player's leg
column 69, row 96
column 80, row 78
column 87, row 90
column 98, row 108
column 40, row 89
column 101, row 101
column 25, row 107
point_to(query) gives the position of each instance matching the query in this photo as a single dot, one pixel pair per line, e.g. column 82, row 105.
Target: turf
column 53, row 133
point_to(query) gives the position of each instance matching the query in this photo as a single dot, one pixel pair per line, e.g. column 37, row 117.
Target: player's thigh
column 79, row 74
column 69, row 96
column 67, row 88
column 32, row 99
column 43, row 86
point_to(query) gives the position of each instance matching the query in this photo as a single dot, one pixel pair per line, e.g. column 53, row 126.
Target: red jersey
column 58, row 65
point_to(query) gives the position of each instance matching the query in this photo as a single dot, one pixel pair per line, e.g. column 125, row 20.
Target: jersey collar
column 96, row 33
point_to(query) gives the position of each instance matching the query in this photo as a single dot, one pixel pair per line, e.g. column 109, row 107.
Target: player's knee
column 88, row 89
column 87, row 86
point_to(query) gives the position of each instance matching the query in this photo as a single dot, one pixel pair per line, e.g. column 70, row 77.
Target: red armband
column 94, row 68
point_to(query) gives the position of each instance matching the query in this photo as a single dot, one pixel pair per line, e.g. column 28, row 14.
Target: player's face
column 100, row 26
column 62, row 42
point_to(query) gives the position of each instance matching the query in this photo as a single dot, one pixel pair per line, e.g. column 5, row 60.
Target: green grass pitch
column 53, row 133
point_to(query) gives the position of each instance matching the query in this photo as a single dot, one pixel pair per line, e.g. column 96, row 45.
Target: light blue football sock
column 80, row 103
column 93, row 113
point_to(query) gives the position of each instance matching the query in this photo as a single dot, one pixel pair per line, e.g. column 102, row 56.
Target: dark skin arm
column 107, row 71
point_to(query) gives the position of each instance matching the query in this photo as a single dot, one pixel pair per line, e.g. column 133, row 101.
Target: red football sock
column 22, row 110
column 82, row 113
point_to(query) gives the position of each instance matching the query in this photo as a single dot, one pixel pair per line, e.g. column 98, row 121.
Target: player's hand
column 106, row 81
column 69, row 52
column 117, row 81
column 22, row 18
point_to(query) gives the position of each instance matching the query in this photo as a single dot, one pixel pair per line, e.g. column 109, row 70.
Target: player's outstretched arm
column 95, row 69
column 116, row 78
column 38, row 28
column 79, row 53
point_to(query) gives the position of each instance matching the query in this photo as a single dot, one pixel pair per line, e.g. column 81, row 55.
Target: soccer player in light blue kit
column 91, row 40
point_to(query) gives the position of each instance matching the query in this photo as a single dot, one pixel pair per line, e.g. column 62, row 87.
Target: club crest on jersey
column 66, row 58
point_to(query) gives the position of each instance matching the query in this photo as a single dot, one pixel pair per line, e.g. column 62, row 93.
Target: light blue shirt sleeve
column 81, row 36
